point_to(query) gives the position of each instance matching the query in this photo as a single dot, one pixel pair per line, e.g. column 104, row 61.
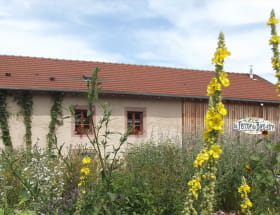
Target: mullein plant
column 274, row 41
column 85, row 170
column 246, row 204
column 202, row 184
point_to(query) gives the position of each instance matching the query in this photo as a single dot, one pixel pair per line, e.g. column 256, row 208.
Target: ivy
column 56, row 118
column 25, row 101
column 4, row 120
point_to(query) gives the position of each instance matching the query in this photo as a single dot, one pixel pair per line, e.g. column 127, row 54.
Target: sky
column 171, row 33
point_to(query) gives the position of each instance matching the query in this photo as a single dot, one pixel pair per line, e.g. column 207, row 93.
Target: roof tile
column 33, row 72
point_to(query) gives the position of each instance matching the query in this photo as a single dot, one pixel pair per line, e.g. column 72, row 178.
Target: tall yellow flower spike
column 274, row 42
column 202, row 184
column 246, row 203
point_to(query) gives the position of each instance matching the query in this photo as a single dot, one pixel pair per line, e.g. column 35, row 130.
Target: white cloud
column 228, row 12
column 186, row 34
column 25, row 38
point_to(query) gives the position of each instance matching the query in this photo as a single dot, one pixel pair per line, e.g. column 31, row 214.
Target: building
column 156, row 101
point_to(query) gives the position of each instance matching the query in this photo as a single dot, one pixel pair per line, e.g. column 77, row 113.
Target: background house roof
column 17, row 72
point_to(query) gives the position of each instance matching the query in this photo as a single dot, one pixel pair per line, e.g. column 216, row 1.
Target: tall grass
column 151, row 179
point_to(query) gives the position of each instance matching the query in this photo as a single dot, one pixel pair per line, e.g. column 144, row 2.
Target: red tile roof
column 18, row 72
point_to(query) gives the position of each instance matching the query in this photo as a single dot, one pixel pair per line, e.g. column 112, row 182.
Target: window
column 135, row 122
column 83, row 122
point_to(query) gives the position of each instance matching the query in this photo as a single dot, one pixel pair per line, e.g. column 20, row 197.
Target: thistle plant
column 246, row 204
column 274, row 41
column 202, row 184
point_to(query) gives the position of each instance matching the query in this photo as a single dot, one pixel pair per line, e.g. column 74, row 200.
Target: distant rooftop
column 17, row 72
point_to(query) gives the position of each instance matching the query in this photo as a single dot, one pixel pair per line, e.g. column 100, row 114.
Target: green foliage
column 155, row 177
column 31, row 179
column 4, row 120
column 25, row 101
column 56, row 118
column 231, row 166
column 265, row 166
column 107, row 153
column 151, row 180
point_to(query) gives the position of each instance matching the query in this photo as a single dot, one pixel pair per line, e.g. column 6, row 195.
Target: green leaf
column 270, row 146
column 112, row 196
column 255, row 158
column 278, row 159
column 276, row 148
column 8, row 187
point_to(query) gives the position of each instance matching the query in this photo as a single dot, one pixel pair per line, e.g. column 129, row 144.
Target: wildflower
column 195, row 186
column 221, row 109
column 82, row 178
column 274, row 39
column 206, row 158
column 219, row 55
column 86, row 160
column 275, row 62
column 201, row 158
column 248, row 168
column 215, row 151
column 244, row 188
column 214, row 120
column 213, row 86
column 272, row 20
column 265, row 133
column 245, row 205
column 224, row 79
column 85, row 170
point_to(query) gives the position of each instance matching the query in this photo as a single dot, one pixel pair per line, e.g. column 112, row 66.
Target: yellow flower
column 274, row 39
column 201, row 158
column 244, row 188
column 86, row 160
column 248, row 168
column 223, row 79
column 214, row 121
column 246, row 204
column 221, row 109
column 82, row 178
column 85, row 170
column 275, row 62
column 195, row 186
column 219, row 55
column 272, row 20
column 213, row 86
column 215, row 151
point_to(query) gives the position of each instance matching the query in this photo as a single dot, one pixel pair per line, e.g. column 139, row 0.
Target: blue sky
column 173, row 33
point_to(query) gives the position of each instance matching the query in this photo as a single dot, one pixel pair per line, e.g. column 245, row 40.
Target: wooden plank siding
column 193, row 113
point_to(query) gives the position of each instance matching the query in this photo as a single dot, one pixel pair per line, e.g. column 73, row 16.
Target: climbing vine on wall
column 25, row 101
column 4, row 120
column 56, row 118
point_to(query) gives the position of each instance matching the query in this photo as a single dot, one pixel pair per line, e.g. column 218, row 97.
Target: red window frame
column 83, row 122
column 135, row 122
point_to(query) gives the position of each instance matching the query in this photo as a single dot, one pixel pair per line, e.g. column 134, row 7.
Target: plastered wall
column 162, row 119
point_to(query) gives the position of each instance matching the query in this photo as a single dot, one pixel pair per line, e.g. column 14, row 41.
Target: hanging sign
column 253, row 125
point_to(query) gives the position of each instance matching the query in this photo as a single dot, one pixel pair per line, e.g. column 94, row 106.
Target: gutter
column 109, row 92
